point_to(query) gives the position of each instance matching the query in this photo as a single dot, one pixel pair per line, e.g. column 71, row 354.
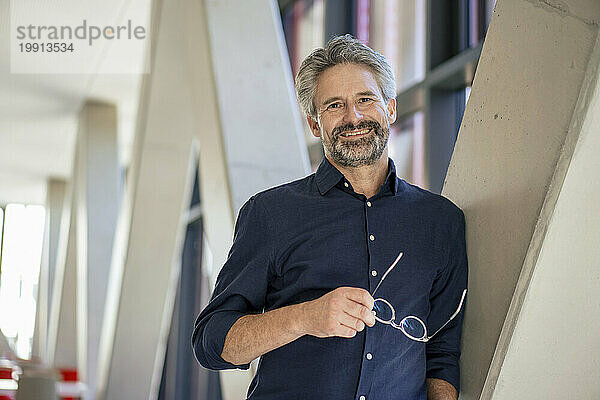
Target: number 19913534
column 46, row 47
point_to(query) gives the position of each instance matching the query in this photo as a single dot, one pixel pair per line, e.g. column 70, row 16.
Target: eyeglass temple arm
column 453, row 315
column 387, row 272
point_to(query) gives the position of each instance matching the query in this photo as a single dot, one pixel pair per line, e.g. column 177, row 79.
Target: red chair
column 69, row 376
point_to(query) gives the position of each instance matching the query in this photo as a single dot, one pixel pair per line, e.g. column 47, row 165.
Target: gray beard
column 356, row 153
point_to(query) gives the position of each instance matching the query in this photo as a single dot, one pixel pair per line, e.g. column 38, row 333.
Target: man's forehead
column 346, row 80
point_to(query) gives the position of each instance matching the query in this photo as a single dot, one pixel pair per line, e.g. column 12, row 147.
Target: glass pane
column 21, row 256
column 362, row 20
column 490, row 4
column 304, row 27
column 407, row 149
column 1, row 226
column 467, row 94
column 398, row 32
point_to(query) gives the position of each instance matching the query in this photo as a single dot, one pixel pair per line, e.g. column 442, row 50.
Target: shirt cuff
column 213, row 339
column 444, row 369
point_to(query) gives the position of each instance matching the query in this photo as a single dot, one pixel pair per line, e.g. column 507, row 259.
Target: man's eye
column 365, row 99
column 333, row 105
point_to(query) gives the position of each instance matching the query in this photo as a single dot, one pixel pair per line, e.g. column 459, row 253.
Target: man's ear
column 391, row 110
column 314, row 126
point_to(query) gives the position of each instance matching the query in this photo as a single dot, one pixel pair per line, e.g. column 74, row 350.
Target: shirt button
column 372, row 237
column 369, row 356
column 346, row 184
column 368, row 204
column 374, row 273
column 362, row 398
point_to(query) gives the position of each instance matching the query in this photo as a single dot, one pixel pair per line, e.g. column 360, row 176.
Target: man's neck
column 366, row 179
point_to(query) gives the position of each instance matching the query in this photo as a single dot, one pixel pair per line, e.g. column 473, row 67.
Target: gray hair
column 341, row 50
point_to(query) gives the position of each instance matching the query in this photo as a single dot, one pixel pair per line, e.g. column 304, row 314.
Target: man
column 307, row 257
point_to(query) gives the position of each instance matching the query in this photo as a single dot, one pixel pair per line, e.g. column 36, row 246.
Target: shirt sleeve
column 240, row 288
column 443, row 350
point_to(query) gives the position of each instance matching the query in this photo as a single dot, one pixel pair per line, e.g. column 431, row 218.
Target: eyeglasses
column 413, row 327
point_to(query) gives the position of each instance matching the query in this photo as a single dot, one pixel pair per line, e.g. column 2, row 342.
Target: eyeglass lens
column 413, row 327
column 382, row 311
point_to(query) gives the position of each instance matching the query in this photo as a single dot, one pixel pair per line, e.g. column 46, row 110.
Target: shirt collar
column 327, row 176
column 392, row 178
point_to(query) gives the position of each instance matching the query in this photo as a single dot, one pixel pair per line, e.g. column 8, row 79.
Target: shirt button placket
column 369, row 356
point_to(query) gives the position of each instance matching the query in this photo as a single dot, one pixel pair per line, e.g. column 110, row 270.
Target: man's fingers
column 344, row 331
column 351, row 322
column 360, row 312
column 342, row 312
column 360, row 296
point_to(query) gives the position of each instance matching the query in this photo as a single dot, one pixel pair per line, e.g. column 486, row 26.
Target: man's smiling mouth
column 358, row 132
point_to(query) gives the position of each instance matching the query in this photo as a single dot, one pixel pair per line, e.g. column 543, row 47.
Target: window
column 398, row 32
column 1, row 234
column 303, row 23
column 433, row 46
column 406, row 147
column 19, row 273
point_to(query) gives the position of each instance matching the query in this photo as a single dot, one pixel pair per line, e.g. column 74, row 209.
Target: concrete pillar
column 97, row 193
column 150, row 234
column 554, row 319
column 503, row 168
column 55, row 198
column 262, row 134
column 62, row 330
column 262, row 129
column 181, row 101
column 84, row 246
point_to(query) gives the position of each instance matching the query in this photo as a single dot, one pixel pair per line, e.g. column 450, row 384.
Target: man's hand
column 342, row 312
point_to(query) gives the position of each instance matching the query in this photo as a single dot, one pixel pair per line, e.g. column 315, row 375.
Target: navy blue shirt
column 300, row 240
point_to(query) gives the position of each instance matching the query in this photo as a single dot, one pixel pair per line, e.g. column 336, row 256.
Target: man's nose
column 352, row 114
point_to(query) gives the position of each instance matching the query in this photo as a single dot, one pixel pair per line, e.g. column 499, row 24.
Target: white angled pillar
column 554, row 319
column 62, row 330
column 55, row 198
column 261, row 124
column 262, row 136
column 197, row 101
column 524, row 114
column 146, row 261
column 97, row 194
